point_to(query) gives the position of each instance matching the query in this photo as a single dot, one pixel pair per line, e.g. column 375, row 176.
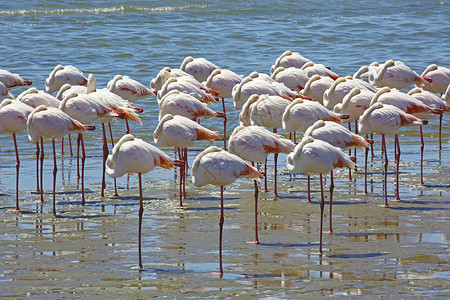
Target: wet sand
column 91, row 251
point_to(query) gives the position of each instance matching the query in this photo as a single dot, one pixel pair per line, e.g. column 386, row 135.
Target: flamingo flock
column 297, row 95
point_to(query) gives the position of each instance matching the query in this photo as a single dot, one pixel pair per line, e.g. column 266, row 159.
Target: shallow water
column 91, row 251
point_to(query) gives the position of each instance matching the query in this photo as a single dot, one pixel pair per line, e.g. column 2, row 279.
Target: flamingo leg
column 349, row 153
column 422, row 146
column 181, row 157
column 17, row 171
column 224, row 125
column 397, row 159
column 105, row 156
column 128, row 127
column 331, row 200
column 309, row 188
column 37, row 167
column 440, row 132
column 78, row 157
column 70, row 145
column 372, row 154
column 83, row 159
column 184, row 171
column 256, row 212
column 55, row 170
column 141, row 213
column 265, row 176
column 322, row 205
column 366, row 154
column 221, row 221
column 383, row 146
column 275, row 159
column 41, row 170
column 112, row 145
column 62, row 146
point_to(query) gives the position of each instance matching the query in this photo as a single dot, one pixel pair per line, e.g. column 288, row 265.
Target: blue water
column 138, row 38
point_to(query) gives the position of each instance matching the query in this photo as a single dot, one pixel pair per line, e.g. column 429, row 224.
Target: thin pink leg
column 17, row 171
column 383, row 146
column 41, row 170
column 331, row 200
column 116, row 194
column 141, row 213
column 83, row 159
column 37, row 167
column 105, row 156
column 422, row 146
column 322, row 205
column 221, row 221
column 55, row 170
column 397, row 159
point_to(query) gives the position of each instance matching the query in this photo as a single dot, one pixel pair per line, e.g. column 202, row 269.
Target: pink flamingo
column 180, row 132
column 316, row 87
column 312, row 156
column 338, row 136
column 440, row 79
column 312, row 69
column 255, row 143
column 11, row 80
column 385, row 119
column 395, row 74
column 13, row 119
column 293, row 78
column 128, row 88
column 200, row 68
column 220, row 168
column 289, row 59
column 50, row 122
column 131, row 155
column 64, row 74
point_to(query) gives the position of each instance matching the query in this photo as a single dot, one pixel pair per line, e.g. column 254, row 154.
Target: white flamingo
column 220, row 168
column 312, row 156
column 13, row 119
column 131, row 155
column 64, row 74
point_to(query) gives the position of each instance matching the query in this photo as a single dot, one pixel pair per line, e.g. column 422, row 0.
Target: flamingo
column 87, row 109
column 222, row 81
column 132, row 155
column 338, row 136
column 312, row 156
column 250, row 86
column 432, row 101
column 316, row 87
column 255, row 143
column 312, row 69
column 220, row 168
column 301, row 114
column 289, row 59
column 119, row 105
column 293, row 78
column 180, row 132
column 127, row 88
column 386, row 119
column 278, row 85
column 51, row 122
column 340, row 88
column 440, row 77
column 354, row 104
column 13, row 119
column 179, row 103
column 200, row 68
column 11, row 80
column 395, row 74
column 64, row 74
column 364, row 71
column 408, row 104
column 185, row 85
column 164, row 74
column 4, row 92
column 266, row 111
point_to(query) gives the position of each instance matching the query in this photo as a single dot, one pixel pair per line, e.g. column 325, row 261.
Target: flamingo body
column 128, row 88
column 178, row 103
column 200, row 68
column 64, row 74
column 440, row 77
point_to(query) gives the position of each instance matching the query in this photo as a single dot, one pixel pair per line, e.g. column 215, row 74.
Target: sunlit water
column 90, row 251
